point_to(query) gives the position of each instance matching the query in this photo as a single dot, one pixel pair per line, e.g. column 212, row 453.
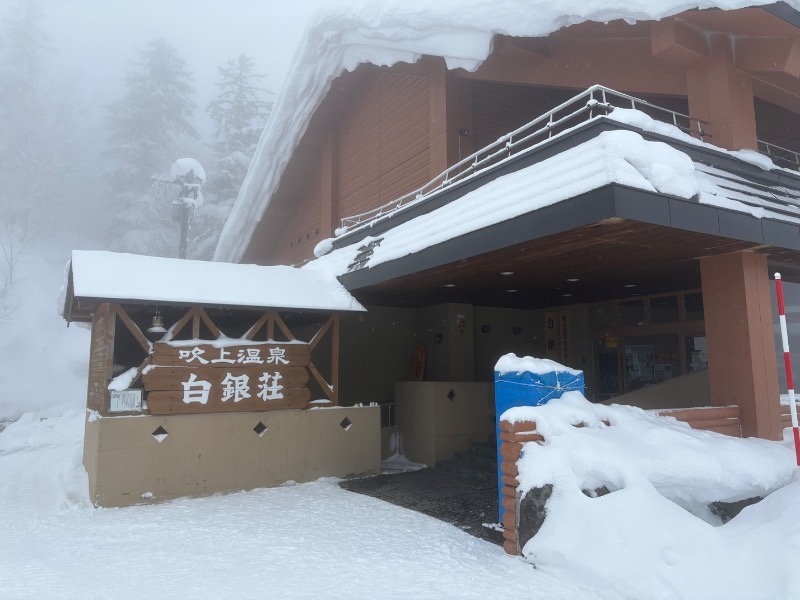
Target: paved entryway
column 465, row 501
column 462, row 491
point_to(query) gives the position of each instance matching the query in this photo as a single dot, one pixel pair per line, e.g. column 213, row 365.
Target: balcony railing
column 783, row 157
column 595, row 101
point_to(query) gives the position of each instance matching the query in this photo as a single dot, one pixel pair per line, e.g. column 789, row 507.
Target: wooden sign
column 212, row 377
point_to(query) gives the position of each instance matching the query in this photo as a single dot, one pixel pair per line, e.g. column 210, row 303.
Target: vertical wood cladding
column 302, row 231
column 498, row 109
column 384, row 142
column 101, row 358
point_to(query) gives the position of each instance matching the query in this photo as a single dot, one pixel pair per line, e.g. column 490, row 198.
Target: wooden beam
column 768, row 55
column 580, row 63
column 319, row 335
column 210, row 324
column 677, row 42
column 282, row 326
column 335, row 360
column 329, row 184
column 196, row 324
column 251, row 333
column 327, row 389
column 181, row 323
column 133, row 328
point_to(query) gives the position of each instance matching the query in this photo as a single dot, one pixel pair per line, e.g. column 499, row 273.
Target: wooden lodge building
column 471, row 212
column 614, row 196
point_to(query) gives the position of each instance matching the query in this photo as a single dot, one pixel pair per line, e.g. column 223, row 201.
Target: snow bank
column 45, row 364
column 388, row 32
column 653, row 531
column 303, row 542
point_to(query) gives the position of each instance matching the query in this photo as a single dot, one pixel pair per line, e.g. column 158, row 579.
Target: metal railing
column 782, row 157
column 597, row 100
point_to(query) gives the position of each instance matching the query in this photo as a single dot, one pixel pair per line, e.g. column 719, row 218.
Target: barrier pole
column 787, row 361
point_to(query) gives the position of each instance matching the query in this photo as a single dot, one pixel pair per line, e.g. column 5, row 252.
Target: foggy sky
column 94, row 40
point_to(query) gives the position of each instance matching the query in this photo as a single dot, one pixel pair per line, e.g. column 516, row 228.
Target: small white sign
column 126, row 401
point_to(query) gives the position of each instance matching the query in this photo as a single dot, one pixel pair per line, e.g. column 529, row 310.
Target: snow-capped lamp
column 156, row 329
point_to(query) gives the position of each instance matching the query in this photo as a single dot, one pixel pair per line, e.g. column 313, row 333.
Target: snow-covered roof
column 622, row 157
column 110, row 276
column 384, row 33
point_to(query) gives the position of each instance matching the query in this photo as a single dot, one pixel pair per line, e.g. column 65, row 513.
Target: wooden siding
column 498, row 109
column 301, row 232
column 384, row 142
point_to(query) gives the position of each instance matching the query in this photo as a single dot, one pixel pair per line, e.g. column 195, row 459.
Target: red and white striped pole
column 787, row 361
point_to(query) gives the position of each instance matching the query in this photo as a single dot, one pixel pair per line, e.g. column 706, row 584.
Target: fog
column 94, row 40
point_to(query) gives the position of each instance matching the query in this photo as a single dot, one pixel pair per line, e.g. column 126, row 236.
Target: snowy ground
column 304, row 541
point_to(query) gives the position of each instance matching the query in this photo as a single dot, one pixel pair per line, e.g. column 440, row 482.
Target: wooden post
column 101, row 358
column 742, row 366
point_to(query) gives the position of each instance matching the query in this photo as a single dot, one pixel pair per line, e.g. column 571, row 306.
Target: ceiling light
column 630, row 285
column 506, row 273
column 450, row 285
column 512, row 291
column 566, row 295
column 573, row 279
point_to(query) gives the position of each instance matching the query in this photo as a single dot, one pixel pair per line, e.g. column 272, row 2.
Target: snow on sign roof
column 386, row 32
column 103, row 276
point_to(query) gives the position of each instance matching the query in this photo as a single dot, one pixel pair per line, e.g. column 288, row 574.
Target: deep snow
column 313, row 541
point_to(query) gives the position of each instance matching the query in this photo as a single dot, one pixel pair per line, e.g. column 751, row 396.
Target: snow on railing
column 783, row 157
column 597, row 100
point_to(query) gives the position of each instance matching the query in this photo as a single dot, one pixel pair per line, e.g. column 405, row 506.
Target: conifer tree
column 239, row 113
column 145, row 129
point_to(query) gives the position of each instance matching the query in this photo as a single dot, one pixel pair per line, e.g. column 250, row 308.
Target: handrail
column 536, row 132
column 783, row 157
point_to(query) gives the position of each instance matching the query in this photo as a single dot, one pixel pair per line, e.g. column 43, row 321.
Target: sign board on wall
column 195, row 377
column 556, row 336
column 125, row 401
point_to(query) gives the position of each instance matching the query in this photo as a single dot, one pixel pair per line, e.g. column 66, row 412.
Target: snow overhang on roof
column 96, row 277
column 386, row 33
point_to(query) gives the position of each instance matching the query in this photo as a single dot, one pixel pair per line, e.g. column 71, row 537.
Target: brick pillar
column 512, row 436
column 741, row 346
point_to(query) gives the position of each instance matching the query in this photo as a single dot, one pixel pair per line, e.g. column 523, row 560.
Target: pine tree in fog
column 146, row 128
column 239, row 112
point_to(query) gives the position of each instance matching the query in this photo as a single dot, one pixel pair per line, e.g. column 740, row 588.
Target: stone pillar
column 741, row 347
column 723, row 96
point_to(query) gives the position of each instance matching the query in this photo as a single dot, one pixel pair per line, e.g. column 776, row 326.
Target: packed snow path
column 303, row 541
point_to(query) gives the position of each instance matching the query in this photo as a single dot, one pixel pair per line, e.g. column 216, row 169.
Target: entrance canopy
column 97, row 277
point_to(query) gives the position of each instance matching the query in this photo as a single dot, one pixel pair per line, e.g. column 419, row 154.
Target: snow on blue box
column 528, row 381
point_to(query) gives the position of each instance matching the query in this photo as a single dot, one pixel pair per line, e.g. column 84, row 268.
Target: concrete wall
column 205, row 454
column 686, row 391
column 450, row 359
column 433, row 426
column 375, row 351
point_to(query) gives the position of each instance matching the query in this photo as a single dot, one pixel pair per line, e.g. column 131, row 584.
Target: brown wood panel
column 297, row 355
column 101, row 358
column 297, row 235
column 173, row 378
column 167, row 403
column 384, row 145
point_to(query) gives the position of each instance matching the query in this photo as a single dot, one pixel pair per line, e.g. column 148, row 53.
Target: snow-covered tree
column 146, row 127
column 239, row 112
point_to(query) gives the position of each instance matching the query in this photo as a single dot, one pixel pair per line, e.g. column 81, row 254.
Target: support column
column 329, row 185
column 723, row 96
column 741, row 346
